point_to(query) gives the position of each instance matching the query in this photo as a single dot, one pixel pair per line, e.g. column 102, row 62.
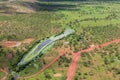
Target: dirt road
column 61, row 52
column 73, row 64
column 2, row 70
column 43, row 68
column 6, row 73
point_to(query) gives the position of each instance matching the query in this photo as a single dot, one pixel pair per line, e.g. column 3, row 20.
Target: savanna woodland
column 25, row 23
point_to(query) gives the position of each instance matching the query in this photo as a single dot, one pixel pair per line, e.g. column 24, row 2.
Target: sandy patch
column 28, row 41
column 11, row 44
column 57, row 75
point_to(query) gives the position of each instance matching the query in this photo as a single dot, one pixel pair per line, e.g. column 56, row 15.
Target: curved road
column 73, row 64
column 43, row 68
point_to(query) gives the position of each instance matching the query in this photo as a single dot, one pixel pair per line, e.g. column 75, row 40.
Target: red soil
column 73, row 64
column 10, row 44
column 61, row 52
column 43, row 68
column 4, row 78
column 28, row 41
column 4, row 71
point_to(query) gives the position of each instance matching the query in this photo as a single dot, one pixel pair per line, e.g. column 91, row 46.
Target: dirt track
column 1, row 70
column 73, row 64
column 6, row 73
column 61, row 52
column 11, row 44
column 43, row 68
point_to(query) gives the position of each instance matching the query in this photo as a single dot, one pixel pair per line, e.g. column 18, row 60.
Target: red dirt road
column 73, row 64
column 43, row 68
column 11, row 44
column 2, row 70
column 6, row 73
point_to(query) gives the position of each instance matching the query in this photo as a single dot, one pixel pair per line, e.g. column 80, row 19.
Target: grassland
column 99, row 64
column 94, row 22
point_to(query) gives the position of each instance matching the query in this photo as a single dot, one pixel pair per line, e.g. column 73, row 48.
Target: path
column 6, row 73
column 2, row 70
column 73, row 64
column 4, row 78
column 43, row 68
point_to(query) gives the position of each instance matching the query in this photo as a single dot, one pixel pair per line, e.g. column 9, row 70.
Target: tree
column 47, row 76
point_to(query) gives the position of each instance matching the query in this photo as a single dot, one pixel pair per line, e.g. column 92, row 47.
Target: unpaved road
column 6, row 73
column 2, row 70
column 43, row 68
column 61, row 52
column 73, row 64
